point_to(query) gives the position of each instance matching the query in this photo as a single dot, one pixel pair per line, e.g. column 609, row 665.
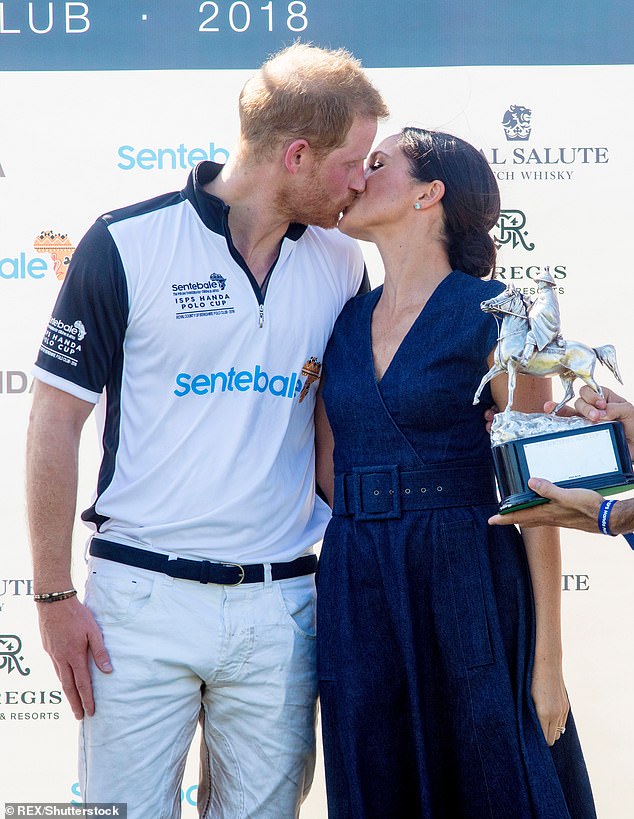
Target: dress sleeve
column 84, row 337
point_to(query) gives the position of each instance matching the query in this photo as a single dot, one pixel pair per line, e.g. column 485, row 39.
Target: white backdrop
column 76, row 144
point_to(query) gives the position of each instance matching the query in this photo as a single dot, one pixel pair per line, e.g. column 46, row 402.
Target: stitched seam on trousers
column 83, row 762
column 212, row 789
column 207, row 769
column 170, row 766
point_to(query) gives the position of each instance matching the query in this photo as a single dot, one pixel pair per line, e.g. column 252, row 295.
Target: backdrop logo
column 15, row 587
column 13, row 382
column 11, row 658
column 510, row 230
column 168, row 158
column 59, row 248
column 517, row 123
column 525, row 275
column 519, row 161
column 22, row 267
column 74, row 20
column 575, row 582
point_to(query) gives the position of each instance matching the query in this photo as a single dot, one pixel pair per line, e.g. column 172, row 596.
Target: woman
column 439, row 637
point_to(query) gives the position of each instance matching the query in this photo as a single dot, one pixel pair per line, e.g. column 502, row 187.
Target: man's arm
column 68, row 629
column 579, row 508
column 570, row 508
column 324, row 447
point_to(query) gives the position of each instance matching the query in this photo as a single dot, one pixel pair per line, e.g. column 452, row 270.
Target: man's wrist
column 622, row 517
column 54, row 597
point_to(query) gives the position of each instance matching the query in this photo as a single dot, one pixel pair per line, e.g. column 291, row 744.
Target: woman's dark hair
column 471, row 202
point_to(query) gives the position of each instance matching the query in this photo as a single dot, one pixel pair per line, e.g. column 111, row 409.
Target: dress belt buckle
column 206, row 573
column 376, row 492
column 237, row 566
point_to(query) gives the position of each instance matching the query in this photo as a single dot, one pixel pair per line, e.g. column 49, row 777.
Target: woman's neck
column 413, row 270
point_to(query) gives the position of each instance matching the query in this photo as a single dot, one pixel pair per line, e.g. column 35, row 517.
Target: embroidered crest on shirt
column 310, row 371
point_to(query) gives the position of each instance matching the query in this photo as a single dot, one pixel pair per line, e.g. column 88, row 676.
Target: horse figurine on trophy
column 569, row 451
column 530, row 342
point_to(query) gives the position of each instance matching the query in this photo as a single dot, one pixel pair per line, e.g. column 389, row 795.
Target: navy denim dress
column 425, row 613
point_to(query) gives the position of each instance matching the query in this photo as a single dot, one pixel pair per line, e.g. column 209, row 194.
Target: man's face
column 333, row 183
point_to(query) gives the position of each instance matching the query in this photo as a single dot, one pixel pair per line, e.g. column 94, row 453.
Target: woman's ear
column 432, row 194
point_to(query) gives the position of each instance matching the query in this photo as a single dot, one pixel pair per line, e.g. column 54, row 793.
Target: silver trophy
column 567, row 451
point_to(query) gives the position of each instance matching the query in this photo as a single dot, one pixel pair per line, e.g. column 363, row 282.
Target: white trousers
column 241, row 659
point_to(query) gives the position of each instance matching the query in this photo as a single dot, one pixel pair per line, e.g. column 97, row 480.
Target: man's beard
column 309, row 205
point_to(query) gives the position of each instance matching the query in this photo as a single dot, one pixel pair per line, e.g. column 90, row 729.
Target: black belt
column 384, row 492
column 204, row 571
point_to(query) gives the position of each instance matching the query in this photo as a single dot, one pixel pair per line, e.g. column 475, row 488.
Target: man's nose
column 358, row 181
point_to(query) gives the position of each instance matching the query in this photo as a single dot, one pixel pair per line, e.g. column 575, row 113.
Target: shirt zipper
column 260, row 296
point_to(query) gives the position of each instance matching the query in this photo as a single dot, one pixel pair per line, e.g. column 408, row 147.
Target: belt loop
column 268, row 577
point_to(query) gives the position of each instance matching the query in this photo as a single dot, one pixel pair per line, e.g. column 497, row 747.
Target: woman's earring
column 417, row 205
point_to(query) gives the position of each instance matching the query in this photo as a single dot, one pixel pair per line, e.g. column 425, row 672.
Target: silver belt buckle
column 238, row 566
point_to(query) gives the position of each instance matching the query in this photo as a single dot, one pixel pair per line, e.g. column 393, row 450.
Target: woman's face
column 389, row 196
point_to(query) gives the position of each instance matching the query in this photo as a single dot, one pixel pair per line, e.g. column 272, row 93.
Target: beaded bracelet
column 53, row 597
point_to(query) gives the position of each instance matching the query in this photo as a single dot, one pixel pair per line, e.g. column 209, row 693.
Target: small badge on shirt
column 310, row 371
column 62, row 340
column 196, row 299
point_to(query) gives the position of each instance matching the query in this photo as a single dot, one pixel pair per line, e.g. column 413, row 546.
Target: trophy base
column 593, row 456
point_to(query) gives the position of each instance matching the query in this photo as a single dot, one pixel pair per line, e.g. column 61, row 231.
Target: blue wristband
column 603, row 520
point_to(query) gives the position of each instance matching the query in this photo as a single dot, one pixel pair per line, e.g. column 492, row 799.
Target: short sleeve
column 83, row 343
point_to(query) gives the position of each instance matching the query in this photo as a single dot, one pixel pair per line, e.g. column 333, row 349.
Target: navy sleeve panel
column 84, row 337
column 364, row 287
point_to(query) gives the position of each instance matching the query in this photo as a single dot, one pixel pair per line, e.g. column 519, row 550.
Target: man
column 579, row 508
column 200, row 312
column 543, row 317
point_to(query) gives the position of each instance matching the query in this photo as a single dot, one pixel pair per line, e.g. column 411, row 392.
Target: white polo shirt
column 208, row 449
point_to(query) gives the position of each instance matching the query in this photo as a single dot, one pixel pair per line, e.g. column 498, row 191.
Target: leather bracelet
column 53, row 597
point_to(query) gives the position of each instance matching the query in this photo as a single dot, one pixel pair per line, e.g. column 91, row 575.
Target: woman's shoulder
column 481, row 288
column 357, row 305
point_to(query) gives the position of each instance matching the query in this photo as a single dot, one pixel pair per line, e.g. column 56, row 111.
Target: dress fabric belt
column 204, row 571
column 385, row 492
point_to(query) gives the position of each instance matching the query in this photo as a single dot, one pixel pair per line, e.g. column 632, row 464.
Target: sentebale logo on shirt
column 256, row 380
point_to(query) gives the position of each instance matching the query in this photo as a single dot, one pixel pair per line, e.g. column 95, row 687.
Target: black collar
column 212, row 210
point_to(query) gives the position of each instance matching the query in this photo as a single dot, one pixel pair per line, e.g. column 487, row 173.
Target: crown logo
column 59, row 247
column 517, row 123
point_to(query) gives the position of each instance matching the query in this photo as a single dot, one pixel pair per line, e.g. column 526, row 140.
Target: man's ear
column 296, row 155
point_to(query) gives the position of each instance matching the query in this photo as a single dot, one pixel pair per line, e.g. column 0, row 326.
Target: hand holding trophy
column 571, row 452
